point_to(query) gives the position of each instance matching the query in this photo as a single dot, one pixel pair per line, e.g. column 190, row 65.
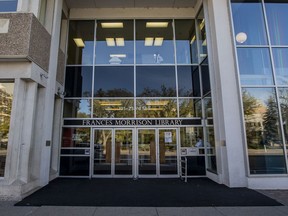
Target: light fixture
column 155, row 109
column 112, row 25
column 113, row 109
column 79, row 42
column 149, row 41
column 158, row 41
column 157, row 103
column 110, row 103
column 193, row 39
column 120, row 42
column 156, row 24
column 110, row 42
column 118, row 55
column 241, row 37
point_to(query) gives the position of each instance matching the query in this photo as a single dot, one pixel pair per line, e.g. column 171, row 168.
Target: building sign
column 132, row 122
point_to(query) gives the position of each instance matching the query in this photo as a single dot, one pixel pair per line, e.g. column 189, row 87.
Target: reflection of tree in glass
column 253, row 113
column 163, row 92
column 186, row 108
column 270, row 122
column 162, row 111
column 283, row 96
column 125, row 110
column 113, row 93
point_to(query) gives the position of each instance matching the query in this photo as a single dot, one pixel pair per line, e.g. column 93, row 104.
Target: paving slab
column 126, row 211
column 197, row 211
column 64, row 211
column 279, row 195
column 250, row 211
column 283, row 209
column 17, row 211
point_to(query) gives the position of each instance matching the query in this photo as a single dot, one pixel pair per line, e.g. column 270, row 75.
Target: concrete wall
column 25, row 39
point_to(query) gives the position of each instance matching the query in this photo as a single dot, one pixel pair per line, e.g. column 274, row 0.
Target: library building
column 143, row 89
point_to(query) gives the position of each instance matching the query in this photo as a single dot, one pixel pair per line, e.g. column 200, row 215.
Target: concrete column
column 15, row 132
column 226, row 96
column 27, row 131
column 50, row 96
column 56, row 142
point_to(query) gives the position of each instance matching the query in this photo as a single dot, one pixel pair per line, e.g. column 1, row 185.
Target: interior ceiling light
column 156, row 24
column 149, row 41
column 158, row 41
column 118, row 55
column 193, row 39
column 241, row 37
column 157, row 103
column 110, row 103
column 79, row 42
column 112, row 25
column 110, row 42
column 120, row 42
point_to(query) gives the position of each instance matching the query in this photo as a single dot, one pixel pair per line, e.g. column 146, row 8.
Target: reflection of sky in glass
column 183, row 52
column 280, row 56
column 103, row 52
column 85, row 106
column 156, row 79
column 248, row 18
column 87, row 53
column 277, row 17
column 255, row 66
column 113, row 78
column 146, row 54
column 8, row 5
column 261, row 94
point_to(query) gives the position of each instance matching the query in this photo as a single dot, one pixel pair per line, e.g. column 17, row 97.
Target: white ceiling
column 130, row 3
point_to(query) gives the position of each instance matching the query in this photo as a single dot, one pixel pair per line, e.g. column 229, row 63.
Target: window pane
column 283, row 99
column 189, row 108
column 77, row 108
column 165, row 108
column 81, row 42
column 74, row 166
column 78, row 82
column 188, row 81
column 202, row 36
column 157, row 81
column 277, row 17
column 265, row 145
column 248, row 21
column 154, row 42
column 114, row 42
column 9, row 5
column 117, row 81
column 6, row 98
column 208, row 106
column 117, row 108
column 186, row 44
column 280, row 56
column 76, row 138
column 211, row 154
column 255, row 66
column 205, row 78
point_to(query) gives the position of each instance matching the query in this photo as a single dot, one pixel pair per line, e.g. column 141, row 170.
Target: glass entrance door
column 157, row 153
column 113, row 152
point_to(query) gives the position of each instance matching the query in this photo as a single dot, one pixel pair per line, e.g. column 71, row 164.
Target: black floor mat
column 144, row 192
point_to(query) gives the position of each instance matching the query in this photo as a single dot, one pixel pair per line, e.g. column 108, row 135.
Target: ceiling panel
column 154, row 3
column 130, row 3
column 185, row 3
column 114, row 4
column 80, row 4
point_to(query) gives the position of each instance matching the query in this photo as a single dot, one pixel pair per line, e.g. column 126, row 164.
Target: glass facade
column 8, row 5
column 139, row 69
column 6, row 98
column 261, row 45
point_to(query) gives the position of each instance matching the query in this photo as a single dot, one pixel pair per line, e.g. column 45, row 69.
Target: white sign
column 168, row 137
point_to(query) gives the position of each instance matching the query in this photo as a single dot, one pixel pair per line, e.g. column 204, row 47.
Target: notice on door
column 168, row 137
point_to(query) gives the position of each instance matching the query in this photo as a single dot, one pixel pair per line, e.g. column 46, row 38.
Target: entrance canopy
column 131, row 3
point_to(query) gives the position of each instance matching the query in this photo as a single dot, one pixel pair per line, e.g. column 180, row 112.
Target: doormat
column 200, row 192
